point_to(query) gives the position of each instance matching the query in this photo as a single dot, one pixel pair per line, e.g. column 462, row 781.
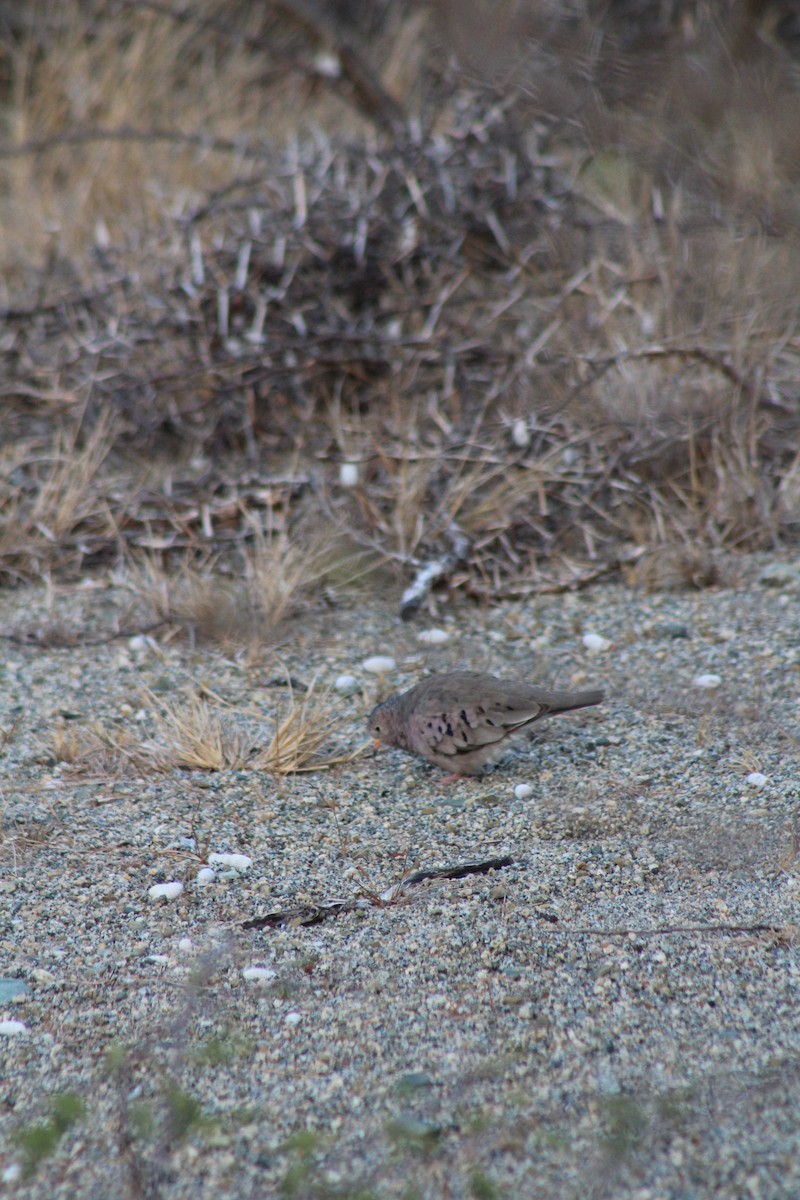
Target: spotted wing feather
column 459, row 732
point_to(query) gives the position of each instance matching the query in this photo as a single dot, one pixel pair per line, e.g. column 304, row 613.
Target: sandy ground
column 552, row 1029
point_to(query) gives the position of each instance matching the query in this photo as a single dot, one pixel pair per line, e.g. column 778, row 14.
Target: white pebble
column 293, row 1018
column 756, row 779
column 709, row 682
column 594, row 642
column 346, row 685
column 185, row 945
column 327, row 65
column 12, row 1173
column 520, row 433
column 167, row 891
column 348, row 474
column 205, row 876
column 258, row 974
column 378, row 664
column 433, row 637
column 523, row 790
column 13, row 1028
column 239, row 862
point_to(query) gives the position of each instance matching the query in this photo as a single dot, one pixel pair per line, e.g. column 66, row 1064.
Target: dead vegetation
column 542, row 301
column 202, row 732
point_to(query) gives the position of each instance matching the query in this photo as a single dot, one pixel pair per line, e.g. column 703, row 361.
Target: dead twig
column 315, row 914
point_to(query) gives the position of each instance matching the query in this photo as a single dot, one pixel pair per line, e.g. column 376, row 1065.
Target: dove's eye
column 377, row 729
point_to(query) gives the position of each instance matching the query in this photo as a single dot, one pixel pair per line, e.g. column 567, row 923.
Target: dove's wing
column 463, row 730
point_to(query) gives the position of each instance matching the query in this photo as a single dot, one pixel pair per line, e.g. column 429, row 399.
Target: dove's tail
column 558, row 702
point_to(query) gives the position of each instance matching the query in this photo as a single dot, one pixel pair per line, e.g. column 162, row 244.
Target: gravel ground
column 548, row 1030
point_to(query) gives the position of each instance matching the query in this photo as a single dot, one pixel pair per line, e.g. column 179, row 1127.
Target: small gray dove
column 461, row 719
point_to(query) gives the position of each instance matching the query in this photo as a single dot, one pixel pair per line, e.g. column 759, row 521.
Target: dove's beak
column 376, row 743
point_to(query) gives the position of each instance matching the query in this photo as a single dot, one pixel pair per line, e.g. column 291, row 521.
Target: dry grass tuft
column 247, row 599
column 197, row 737
column 301, row 734
column 96, row 749
column 563, row 323
column 52, row 503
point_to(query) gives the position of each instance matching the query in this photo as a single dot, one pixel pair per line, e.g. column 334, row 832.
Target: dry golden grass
column 96, row 749
column 40, row 520
column 270, row 579
column 623, row 292
column 196, row 736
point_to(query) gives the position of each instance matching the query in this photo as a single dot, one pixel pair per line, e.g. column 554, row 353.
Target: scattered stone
column 348, row 474
column 523, row 790
column 379, row 664
column 205, row 876
column 166, row 891
column 236, row 862
column 258, row 974
column 595, row 643
column 708, row 682
column 13, row 1029
column 433, row 637
column 521, row 434
column 346, row 685
column 756, row 779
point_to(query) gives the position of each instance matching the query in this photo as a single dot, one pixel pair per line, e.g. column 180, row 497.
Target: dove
column 461, row 720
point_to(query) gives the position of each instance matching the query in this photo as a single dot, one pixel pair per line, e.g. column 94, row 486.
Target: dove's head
column 387, row 726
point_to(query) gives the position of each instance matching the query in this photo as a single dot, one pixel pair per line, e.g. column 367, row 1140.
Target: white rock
column 523, row 790
column 142, row 643
column 165, row 891
column 13, row 1028
column 238, row 862
column 293, row 1018
column 12, row 1173
column 378, row 664
column 709, row 682
column 594, row 642
column 258, row 974
column 346, row 685
column 185, row 945
column 520, row 433
column 433, row 637
column 205, row 876
column 348, row 474
column 756, row 779
column 327, row 65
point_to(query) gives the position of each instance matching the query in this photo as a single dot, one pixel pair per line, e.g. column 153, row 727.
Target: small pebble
column 594, row 642
column 346, row 685
column 378, row 664
column 348, row 474
column 238, row 862
column 520, row 433
column 293, row 1018
column 433, row 637
column 185, row 945
column 165, row 891
column 329, row 66
column 12, row 1173
column 258, row 974
column 13, row 1028
column 756, row 779
column 523, row 790
column 205, row 876
column 709, row 682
